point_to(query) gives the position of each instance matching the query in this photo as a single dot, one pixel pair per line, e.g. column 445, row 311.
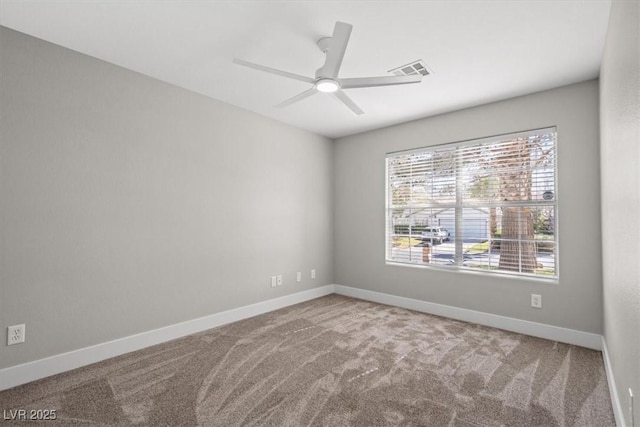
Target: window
column 485, row 205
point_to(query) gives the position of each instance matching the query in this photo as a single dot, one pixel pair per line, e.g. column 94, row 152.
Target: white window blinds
column 487, row 205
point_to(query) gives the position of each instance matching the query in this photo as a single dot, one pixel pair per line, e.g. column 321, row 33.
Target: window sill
column 468, row 271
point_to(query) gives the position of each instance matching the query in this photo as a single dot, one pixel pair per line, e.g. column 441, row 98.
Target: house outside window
column 486, row 205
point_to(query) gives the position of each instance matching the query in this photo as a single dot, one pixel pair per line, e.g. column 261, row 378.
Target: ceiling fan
column 326, row 79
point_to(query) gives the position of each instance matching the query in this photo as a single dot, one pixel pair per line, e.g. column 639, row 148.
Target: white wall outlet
column 313, row 273
column 299, row 276
column 536, row 301
column 274, row 281
column 15, row 334
column 280, row 280
column 631, row 423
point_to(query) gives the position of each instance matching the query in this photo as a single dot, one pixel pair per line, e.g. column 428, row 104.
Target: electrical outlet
column 313, row 273
column 15, row 334
column 299, row 276
column 274, row 281
column 631, row 407
column 280, row 280
column 536, row 301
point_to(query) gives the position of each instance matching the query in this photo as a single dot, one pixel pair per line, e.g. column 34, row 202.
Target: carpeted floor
column 334, row 361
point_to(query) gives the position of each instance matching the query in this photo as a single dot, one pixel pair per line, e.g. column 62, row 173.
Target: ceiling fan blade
column 298, row 97
column 342, row 97
column 378, row 81
column 273, row 71
column 337, row 48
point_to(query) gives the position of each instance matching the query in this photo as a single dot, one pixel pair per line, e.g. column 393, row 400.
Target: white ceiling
column 480, row 51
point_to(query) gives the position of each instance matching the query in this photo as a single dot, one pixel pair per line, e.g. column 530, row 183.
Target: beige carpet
column 334, row 361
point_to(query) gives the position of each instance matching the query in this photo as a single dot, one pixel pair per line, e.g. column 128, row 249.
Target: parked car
column 435, row 235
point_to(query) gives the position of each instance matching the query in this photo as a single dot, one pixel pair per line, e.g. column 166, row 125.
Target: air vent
column 412, row 68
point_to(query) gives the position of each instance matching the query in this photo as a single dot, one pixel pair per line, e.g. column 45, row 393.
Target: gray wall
column 620, row 156
column 128, row 204
column 359, row 218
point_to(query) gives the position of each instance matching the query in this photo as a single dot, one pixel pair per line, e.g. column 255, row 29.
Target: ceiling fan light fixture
column 327, row 85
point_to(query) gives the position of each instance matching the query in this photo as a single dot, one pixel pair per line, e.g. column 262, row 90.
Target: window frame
column 458, row 257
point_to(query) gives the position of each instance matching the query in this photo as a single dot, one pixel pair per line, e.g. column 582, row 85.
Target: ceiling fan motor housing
column 324, row 44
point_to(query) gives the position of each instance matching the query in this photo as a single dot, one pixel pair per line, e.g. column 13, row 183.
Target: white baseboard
column 540, row 330
column 31, row 371
column 615, row 399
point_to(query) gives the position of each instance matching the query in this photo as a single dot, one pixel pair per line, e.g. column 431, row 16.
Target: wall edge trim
column 526, row 327
column 613, row 391
column 31, row 371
